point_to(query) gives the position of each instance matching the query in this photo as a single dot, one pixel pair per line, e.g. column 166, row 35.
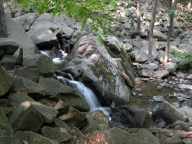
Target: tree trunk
column 171, row 23
column 150, row 35
column 3, row 28
column 138, row 12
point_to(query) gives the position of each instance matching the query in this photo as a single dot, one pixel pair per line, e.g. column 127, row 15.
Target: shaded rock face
column 91, row 62
column 5, row 82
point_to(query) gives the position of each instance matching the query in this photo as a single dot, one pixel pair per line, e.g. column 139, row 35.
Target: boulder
column 28, row 72
column 32, row 138
column 17, row 33
column 61, row 135
column 44, row 29
column 54, row 87
column 25, row 85
column 5, row 81
column 34, row 113
column 18, row 98
column 91, row 62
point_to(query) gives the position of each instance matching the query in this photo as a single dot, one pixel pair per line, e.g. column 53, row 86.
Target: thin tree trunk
column 150, row 35
column 138, row 12
column 3, row 28
column 171, row 23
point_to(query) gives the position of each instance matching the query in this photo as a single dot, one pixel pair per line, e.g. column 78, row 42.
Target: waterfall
column 86, row 92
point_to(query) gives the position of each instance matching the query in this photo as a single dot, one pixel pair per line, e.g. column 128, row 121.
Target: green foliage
column 95, row 13
column 182, row 56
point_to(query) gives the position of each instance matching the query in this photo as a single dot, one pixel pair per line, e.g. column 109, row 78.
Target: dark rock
column 5, row 81
column 128, row 117
column 29, row 86
column 74, row 118
column 31, row 73
column 34, row 113
column 32, row 138
column 8, row 46
column 59, row 134
column 9, row 62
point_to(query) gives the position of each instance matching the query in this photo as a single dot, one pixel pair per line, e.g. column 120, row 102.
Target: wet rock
column 162, row 109
column 34, row 113
column 8, row 46
column 32, row 138
column 61, row 135
column 45, row 65
column 5, row 81
column 97, row 121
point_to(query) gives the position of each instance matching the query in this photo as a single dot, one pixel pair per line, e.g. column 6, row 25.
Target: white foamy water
column 88, row 94
column 57, row 59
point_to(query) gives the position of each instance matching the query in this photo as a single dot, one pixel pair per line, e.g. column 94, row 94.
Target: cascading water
column 88, row 94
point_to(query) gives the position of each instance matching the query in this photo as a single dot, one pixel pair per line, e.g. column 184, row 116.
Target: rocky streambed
column 88, row 95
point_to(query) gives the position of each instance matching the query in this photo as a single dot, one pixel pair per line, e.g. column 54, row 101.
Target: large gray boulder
column 43, row 31
column 5, row 81
column 91, row 62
